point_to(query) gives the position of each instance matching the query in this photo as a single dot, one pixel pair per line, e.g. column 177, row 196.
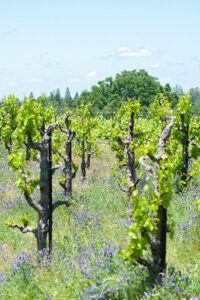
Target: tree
column 57, row 99
column 68, row 99
column 75, row 96
column 35, row 122
column 178, row 90
column 108, row 94
column 195, row 99
column 31, row 96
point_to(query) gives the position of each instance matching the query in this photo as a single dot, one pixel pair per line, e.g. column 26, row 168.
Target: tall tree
column 67, row 98
column 178, row 90
column 107, row 94
column 76, row 96
column 195, row 96
column 57, row 98
column 31, row 96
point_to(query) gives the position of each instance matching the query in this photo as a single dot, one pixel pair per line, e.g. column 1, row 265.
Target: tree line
column 105, row 94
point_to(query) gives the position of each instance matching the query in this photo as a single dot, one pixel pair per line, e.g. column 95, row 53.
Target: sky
column 50, row 44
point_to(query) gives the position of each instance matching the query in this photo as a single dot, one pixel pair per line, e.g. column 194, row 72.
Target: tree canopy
column 108, row 94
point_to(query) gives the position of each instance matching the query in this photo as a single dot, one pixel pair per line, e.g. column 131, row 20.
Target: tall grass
column 86, row 237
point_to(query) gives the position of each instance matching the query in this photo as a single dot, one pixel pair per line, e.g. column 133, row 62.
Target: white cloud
column 74, row 80
column 12, row 84
column 35, row 80
column 91, row 75
column 150, row 65
column 123, row 49
column 140, row 53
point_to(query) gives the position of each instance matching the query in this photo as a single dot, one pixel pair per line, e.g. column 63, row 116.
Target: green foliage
column 85, row 127
column 184, row 118
column 25, row 221
column 146, row 202
column 184, row 107
column 8, row 120
column 145, row 210
column 31, row 118
column 108, row 94
column 68, row 98
column 178, row 90
column 82, row 258
column 160, row 108
column 60, row 103
column 9, row 223
column 195, row 100
column 117, row 129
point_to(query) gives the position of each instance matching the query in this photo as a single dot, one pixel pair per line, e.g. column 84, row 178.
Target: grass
column 86, row 237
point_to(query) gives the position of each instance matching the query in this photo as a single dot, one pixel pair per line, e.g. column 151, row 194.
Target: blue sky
column 49, row 44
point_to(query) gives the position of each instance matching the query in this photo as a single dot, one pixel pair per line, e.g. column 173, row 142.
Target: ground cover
column 86, row 239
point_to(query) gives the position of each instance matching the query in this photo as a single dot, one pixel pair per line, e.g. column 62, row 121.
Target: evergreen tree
column 195, row 100
column 68, row 99
column 76, row 100
column 50, row 99
column 178, row 90
column 76, row 96
column 57, row 98
column 31, row 96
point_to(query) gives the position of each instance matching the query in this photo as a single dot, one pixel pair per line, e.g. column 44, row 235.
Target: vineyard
column 97, row 206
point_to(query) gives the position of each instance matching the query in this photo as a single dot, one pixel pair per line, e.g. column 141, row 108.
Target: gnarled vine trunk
column 158, row 246
column 68, row 168
column 158, row 242
column 42, row 207
column 41, row 232
column 43, row 227
column 130, row 163
column 83, row 164
column 67, row 158
column 88, row 156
